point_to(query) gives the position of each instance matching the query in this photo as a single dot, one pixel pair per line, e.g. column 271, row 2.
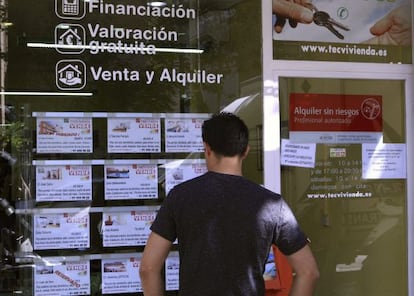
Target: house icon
column 70, row 75
column 70, row 38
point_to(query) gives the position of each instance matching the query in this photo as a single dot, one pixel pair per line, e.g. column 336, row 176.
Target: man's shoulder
column 209, row 181
column 189, row 185
column 262, row 190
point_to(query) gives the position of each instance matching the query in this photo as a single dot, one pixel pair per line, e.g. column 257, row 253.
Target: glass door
column 343, row 157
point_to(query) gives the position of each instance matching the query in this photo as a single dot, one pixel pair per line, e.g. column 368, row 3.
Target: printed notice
column 134, row 135
column 384, row 161
column 127, row 229
column 183, row 135
column 179, row 171
column 120, row 276
column 299, row 155
column 63, row 183
column 332, row 118
column 135, row 181
column 338, row 174
column 64, row 278
column 64, row 135
column 172, row 270
column 61, row 231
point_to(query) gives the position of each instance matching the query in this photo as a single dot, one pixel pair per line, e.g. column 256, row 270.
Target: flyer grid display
column 112, row 199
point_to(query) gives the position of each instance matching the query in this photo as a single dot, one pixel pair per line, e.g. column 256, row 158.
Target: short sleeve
column 164, row 224
column 290, row 237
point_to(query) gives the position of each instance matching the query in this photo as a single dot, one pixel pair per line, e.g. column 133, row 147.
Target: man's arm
column 306, row 272
column 152, row 262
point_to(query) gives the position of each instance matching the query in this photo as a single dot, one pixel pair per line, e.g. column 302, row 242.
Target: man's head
column 226, row 134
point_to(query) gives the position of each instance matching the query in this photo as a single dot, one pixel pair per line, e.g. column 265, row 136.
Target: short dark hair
column 226, row 134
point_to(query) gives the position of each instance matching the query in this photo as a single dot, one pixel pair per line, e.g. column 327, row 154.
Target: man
column 225, row 225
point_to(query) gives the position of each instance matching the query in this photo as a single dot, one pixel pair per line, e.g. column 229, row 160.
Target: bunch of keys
column 322, row 18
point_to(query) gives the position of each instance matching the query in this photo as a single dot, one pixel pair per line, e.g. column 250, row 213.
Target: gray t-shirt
column 225, row 225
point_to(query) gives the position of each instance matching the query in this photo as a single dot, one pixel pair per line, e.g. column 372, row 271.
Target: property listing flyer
column 172, row 273
column 333, row 118
column 131, row 181
column 61, row 231
column 63, row 278
column 120, row 275
column 183, row 135
column 364, row 31
column 64, row 135
column 179, row 171
column 63, row 183
column 134, row 135
column 127, row 228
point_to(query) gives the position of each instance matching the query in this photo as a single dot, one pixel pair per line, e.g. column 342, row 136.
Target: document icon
column 70, row 9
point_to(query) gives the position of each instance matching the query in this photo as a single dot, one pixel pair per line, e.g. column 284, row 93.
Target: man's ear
column 246, row 151
column 207, row 149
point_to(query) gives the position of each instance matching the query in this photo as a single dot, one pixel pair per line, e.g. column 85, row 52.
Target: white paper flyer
column 172, row 273
column 61, row 231
column 183, row 135
column 131, row 181
column 120, row 276
column 134, row 135
column 127, row 228
column 179, row 171
column 65, row 278
column 64, row 135
column 63, row 183
column 384, row 161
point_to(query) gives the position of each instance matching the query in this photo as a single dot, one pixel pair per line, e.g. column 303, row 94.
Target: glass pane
column 103, row 103
column 352, row 200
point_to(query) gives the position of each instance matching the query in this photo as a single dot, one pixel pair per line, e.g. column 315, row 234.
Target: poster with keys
column 352, row 31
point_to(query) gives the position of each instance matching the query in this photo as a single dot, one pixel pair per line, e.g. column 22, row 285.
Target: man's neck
column 226, row 165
